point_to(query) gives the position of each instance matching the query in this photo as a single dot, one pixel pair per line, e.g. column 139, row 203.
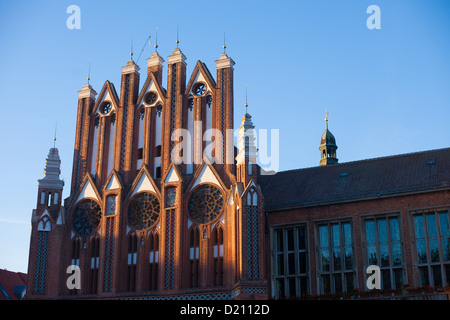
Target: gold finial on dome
column 326, row 117
column 177, row 36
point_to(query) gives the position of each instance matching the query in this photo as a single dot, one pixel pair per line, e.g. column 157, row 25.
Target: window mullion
column 439, row 238
column 330, row 254
column 297, row 267
column 342, row 249
column 440, row 246
column 377, row 243
column 391, row 262
column 285, row 262
column 427, row 247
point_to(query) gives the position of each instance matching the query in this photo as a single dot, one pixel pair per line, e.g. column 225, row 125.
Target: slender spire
column 177, row 36
column 156, row 40
column 246, row 104
column 131, row 53
column 89, row 73
column 54, row 137
column 246, row 141
column 224, row 44
column 52, row 171
column 326, row 117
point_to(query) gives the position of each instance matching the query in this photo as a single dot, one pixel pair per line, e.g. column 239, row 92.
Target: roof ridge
column 367, row 160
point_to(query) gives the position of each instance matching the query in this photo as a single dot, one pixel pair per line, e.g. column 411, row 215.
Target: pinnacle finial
column 54, row 137
column 89, row 73
column 156, row 40
column 131, row 53
column 246, row 104
column 224, row 44
column 178, row 36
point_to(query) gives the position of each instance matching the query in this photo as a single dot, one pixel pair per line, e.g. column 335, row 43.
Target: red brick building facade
column 327, row 224
column 136, row 223
column 139, row 224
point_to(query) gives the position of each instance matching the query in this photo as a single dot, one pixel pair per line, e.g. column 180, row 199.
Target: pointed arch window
column 157, row 131
column 141, row 128
column 94, row 248
column 190, row 128
column 44, row 224
column 153, row 260
column 132, row 260
column 194, row 256
column 209, row 101
column 111, row 140
column 44, row 227
column 208, row 134
column 111, row 205
column 49, row 199
column 76, row 246
column 252, row 235
column 75, row 257
column 159, row 110
column 217, row 238
column 94, row 145
column 190, row 104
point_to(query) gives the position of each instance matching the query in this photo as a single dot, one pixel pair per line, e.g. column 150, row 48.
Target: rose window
column 143, row 211
column 106, row 108
column 86, row 217
column 150, row 98
column 205, row 204
column 200, row 89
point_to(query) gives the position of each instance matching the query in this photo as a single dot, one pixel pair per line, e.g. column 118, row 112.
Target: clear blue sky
column 387, row 90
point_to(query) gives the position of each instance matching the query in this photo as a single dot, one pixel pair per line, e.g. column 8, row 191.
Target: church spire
column 246, row 158
column 52, row 171
column 328, row 146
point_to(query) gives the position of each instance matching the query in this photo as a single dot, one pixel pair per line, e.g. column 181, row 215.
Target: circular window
column 199, row 89
column 205, row 204
column 150, row 98
column 86, row 217
column 105, row 107
column 143, row 211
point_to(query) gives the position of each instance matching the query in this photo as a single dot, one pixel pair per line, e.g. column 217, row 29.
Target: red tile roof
column 11, row 283
column 357, row 180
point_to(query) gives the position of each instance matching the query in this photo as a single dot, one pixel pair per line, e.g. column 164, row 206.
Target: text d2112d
column 246, row 309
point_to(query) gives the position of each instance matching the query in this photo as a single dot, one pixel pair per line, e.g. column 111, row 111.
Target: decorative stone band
column 205, row 296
